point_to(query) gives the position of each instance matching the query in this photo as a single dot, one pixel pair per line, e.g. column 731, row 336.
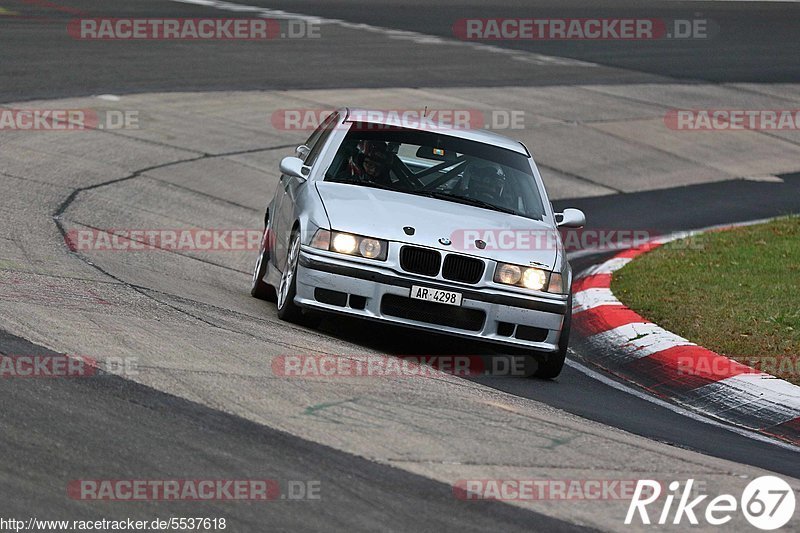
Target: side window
column 319, row 137
column 312, row 140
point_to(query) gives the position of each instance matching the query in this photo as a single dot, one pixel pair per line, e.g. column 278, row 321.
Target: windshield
column 439, row 166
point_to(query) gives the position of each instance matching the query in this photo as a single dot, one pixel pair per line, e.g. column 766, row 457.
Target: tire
column 259, row 288
column 287, row 290
column 550, row 366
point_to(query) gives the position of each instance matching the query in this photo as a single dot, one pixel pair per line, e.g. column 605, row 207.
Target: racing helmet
column 484, row 181
column 375, row 154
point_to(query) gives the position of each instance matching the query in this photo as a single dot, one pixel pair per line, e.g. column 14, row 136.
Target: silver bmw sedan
column 423, row 225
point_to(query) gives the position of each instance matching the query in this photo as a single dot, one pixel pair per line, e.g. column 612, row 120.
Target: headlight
column 534, row 279
column 508, row 274
column 346, row 243
column 529, row 277
column 370, row 248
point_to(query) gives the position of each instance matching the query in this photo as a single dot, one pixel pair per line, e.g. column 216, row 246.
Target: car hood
column 384, row 214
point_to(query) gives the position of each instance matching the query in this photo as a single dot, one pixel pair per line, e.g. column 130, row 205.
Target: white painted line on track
column 591, row 298
column 638, row 340
column 606, row 267
column 762, row 386
column 675, row 408
column 413, row 36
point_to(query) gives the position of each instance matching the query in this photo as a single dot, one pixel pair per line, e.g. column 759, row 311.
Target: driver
column 376, row 161
column 485, row 181
column 370, row 163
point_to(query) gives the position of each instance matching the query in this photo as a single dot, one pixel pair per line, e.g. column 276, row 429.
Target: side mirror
column 302, row 151
column 571, row 218
column 294, row 167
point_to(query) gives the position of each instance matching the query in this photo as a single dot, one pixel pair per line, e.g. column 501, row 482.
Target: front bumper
column 508, row 316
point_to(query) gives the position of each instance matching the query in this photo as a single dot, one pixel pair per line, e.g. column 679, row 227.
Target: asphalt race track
column 204, row 403
column 173, row 437
column 42, row 61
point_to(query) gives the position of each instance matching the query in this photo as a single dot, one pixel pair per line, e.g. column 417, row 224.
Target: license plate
column 435, row 295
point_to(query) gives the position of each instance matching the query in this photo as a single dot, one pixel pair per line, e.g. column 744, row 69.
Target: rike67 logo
column 767, row 502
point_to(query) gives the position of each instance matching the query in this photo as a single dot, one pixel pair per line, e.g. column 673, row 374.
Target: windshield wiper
column 464, row 200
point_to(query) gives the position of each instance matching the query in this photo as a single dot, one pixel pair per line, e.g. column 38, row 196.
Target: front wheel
column 287, row 289
column 550, row 366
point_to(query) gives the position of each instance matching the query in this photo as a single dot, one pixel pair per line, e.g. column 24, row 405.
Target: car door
column 287, row 193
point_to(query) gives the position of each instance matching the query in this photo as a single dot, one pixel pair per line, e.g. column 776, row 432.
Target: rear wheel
column 287, row 290
column 259, row 288
column 550, row 366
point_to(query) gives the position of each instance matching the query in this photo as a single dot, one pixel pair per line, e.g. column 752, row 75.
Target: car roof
column 384, row 117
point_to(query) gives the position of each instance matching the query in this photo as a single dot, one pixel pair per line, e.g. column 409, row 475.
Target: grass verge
column 736, row 292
